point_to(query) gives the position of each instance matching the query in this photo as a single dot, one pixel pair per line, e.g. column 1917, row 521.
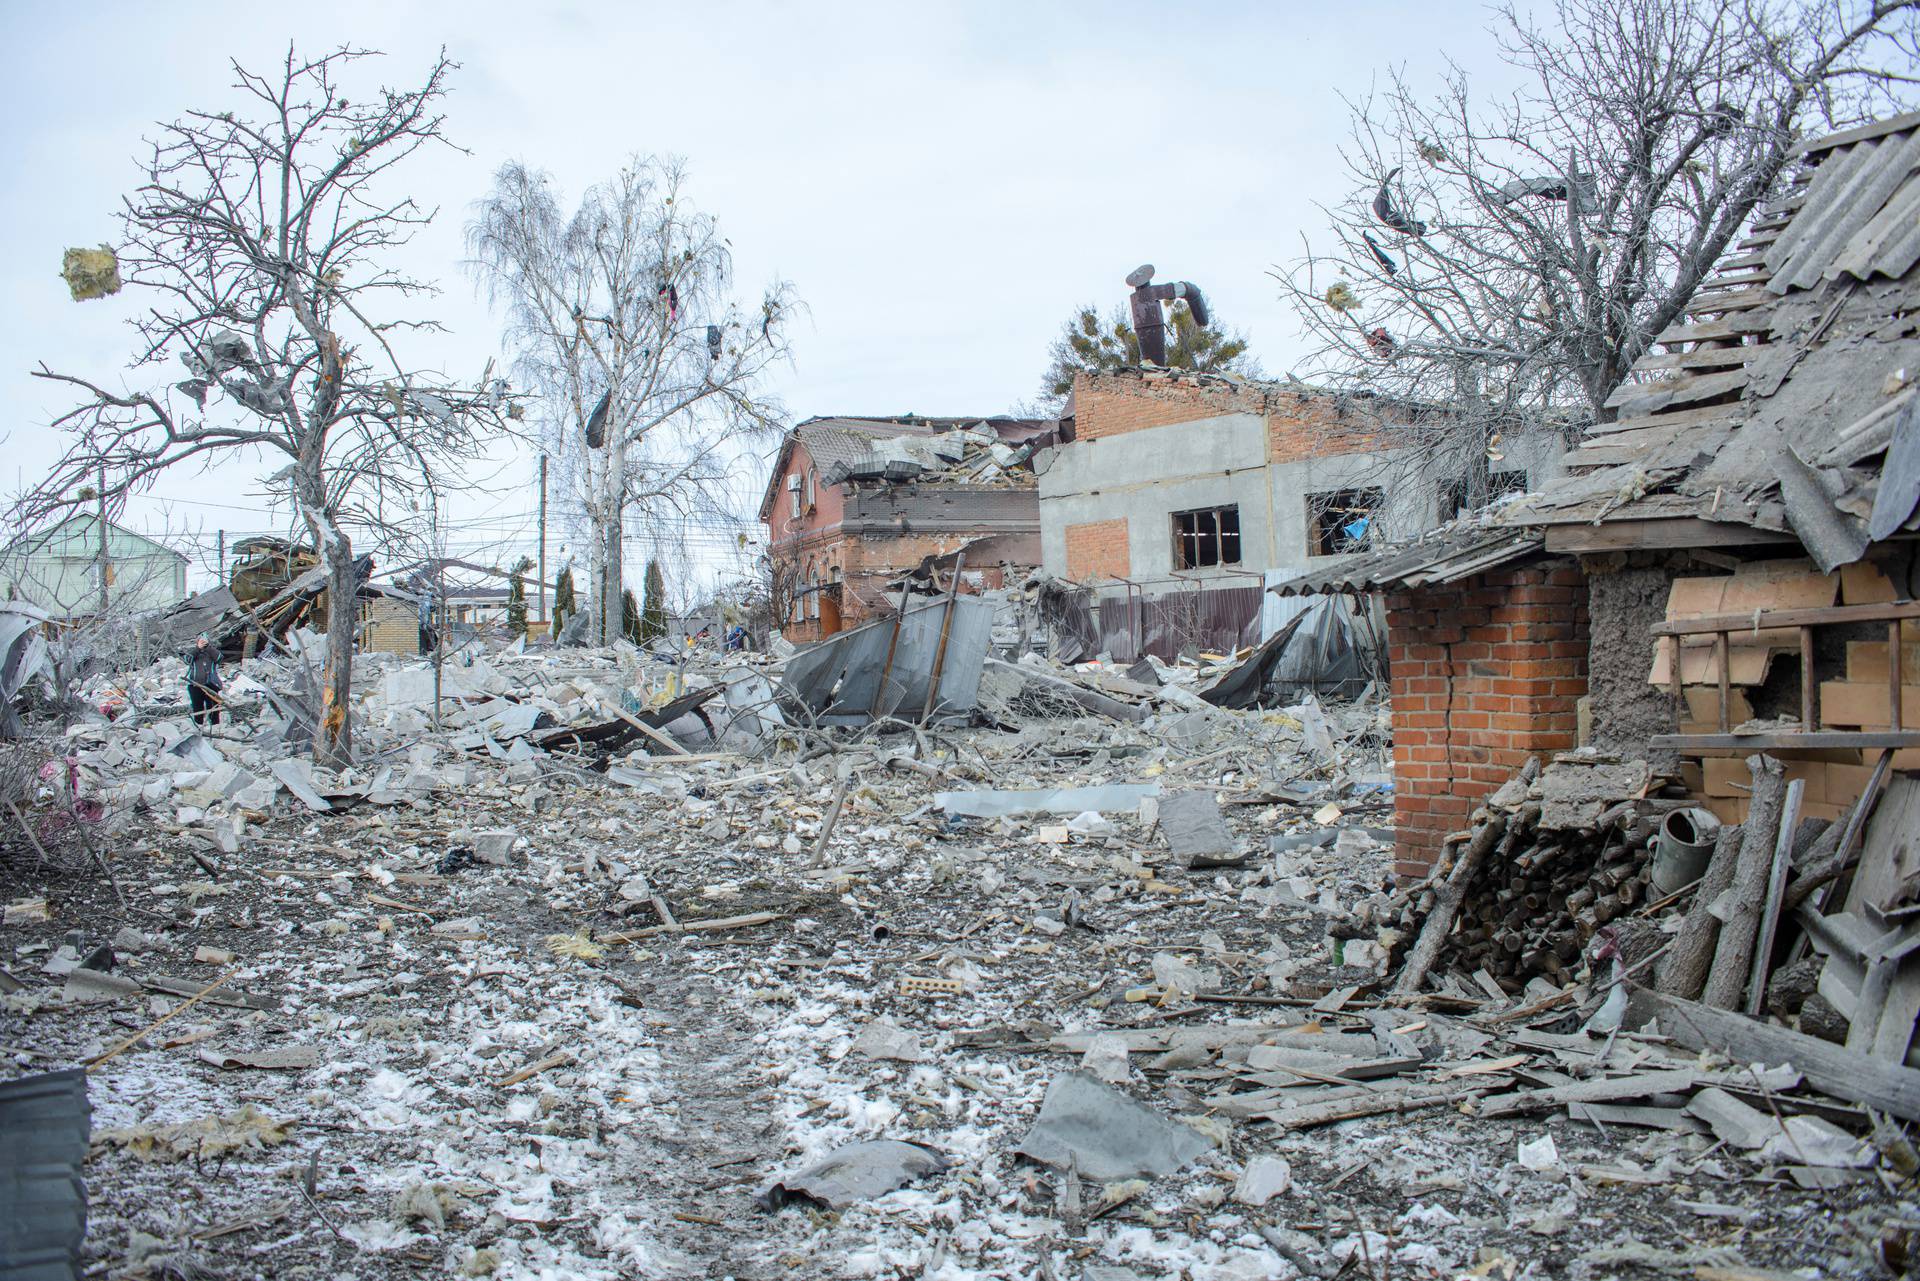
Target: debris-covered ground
column 498, row 1010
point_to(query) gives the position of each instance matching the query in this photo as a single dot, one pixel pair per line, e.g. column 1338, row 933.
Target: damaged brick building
column 852, row 504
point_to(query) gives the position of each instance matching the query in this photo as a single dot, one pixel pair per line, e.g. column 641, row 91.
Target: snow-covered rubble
column 572, row 1025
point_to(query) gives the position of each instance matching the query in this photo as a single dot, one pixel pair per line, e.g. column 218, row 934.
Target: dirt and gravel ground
column 500, row 1088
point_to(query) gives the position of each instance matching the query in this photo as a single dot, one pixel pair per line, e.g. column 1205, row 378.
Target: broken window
column 1341, row 521
column 1206, row 536
column 1453, row 493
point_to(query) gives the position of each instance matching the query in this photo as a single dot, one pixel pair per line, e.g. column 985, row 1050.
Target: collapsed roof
column 1788, row 377
column 995, row 452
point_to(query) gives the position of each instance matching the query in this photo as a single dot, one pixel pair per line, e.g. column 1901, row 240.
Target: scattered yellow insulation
column 246, row 1130
column 580, row 946
column 91, row 273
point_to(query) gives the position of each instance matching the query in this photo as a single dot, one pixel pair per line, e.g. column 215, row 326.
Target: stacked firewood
column 1523, row 890
column 1538, row 896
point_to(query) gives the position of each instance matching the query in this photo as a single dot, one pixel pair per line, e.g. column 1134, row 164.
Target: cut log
column 1844, row 1074
column 1684, row 972
column 1446, row 903
column 1733, row 957
column 1775, row 891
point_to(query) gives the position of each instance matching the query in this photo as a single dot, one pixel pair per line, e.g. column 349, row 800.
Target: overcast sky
column 942, row 183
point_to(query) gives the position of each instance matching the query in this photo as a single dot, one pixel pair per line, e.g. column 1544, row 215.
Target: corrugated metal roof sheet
column 1444, row 559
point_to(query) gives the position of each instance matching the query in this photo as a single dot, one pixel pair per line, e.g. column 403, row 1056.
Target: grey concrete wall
column 1148, row 475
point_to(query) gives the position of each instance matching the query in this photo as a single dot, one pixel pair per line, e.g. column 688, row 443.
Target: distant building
column 854, row 503
column 1174, row 500
column 59, row 569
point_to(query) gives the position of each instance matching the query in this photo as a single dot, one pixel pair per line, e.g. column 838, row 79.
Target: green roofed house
column 59, row 569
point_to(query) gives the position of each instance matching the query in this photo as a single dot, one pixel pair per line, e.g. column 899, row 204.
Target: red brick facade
column 857, row 569
column 1486, row 673
column 1098, row 550
column 1300, row 425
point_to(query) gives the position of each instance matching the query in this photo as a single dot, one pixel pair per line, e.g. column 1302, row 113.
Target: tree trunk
column 609, row 512
column 333, row 743
column 1684, row 970
column 1733, row 957
column 610, row 585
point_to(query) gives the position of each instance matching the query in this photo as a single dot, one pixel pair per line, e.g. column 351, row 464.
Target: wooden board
column 1688, row 387
column 1698, row 358
column 1827, row 1067
column 1715, row 414
column 1718, row 303
column 1890, row 849
column 1665, row 531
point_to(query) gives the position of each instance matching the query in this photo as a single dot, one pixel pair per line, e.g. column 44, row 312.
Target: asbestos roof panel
column 1444, row 559
column 1840, row 202
column 1846, row 137
column 1841, row 206
column 1889, row 243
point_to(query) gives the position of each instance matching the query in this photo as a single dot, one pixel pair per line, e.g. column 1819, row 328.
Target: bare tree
column 1513, row 256
column 259, row 244
column 623, row 319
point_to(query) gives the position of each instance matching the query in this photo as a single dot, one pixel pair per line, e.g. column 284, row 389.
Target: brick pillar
column 1486, row 673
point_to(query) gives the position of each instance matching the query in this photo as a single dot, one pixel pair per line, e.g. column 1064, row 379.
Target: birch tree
column 1511, row 256
column 260, row 249
column 622, row 319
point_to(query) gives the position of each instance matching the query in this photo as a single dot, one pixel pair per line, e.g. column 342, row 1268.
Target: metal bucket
column 1681, row 849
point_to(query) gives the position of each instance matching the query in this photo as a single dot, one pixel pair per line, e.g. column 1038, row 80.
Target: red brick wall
column 1299, row 424
column 1098, row 549
column 1486, row 673
column 829, row 508
column 1117, row 403
column 867, row 563
column 1301, row 427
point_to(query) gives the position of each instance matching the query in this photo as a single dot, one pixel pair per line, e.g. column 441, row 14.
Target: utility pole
column 105, row 569
column 433, row 614
column 220, row 559
column 543, row 538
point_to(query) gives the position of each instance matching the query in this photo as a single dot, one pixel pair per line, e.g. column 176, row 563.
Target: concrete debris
column 1265, row 1178
column 883, row 1039
column 1088, row 1127
column 855, row 1173
column 1195, row 833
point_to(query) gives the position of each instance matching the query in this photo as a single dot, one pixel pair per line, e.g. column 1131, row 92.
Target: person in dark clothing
column 203, row 682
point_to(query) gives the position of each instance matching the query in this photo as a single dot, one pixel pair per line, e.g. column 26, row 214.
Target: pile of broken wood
column 1816, row 923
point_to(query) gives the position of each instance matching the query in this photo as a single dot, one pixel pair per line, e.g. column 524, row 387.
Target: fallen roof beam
column 1668, row 531
column 1845, row 1074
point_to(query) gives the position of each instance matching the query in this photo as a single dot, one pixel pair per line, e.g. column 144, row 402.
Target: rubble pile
column 1038, row 990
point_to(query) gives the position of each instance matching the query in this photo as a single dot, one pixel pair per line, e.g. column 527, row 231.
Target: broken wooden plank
column 1381, row 1103
column 534, row 1069
column 742, row 922
column 216, row 996
column 1640, row 1117
column 1776, row 892
column 1605, row 1090
column 181, row 1008
column 1829, row 1068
